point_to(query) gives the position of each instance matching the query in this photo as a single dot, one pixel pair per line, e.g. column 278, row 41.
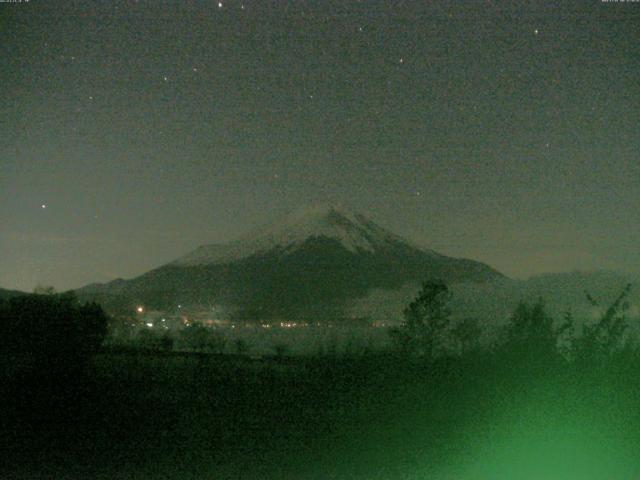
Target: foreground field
column 142, row 415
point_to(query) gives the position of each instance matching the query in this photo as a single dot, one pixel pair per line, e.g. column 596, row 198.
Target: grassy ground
column 186, row 416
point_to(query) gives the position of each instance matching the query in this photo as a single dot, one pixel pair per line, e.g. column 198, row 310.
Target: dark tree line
column 530, row 335
column 49, row 334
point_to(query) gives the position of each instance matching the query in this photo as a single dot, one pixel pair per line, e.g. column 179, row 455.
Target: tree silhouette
column 467, row 333
column 606, row 335
column 52, row 333
column 531, row 337
column 426, row 320
column 531, row 328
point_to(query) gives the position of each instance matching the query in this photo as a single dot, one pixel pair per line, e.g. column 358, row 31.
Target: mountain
column 6, row 294
column 306, row 265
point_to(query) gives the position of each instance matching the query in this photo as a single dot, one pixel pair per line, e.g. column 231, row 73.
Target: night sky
column 132, row 132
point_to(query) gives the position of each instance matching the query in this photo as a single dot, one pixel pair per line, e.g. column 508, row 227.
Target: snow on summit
column 353, row 231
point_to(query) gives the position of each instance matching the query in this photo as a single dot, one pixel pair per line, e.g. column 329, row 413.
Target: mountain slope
column 308, row 264
column 6, row 294
column 354, row 232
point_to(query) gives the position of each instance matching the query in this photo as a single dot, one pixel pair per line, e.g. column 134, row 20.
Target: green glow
column 583, row 434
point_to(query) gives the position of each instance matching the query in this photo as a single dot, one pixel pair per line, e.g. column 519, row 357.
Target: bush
column 202, row 339
column 241, row 347
column 153, row 340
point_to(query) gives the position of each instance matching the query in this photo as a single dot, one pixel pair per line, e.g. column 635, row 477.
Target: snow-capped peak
column 354, row 232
